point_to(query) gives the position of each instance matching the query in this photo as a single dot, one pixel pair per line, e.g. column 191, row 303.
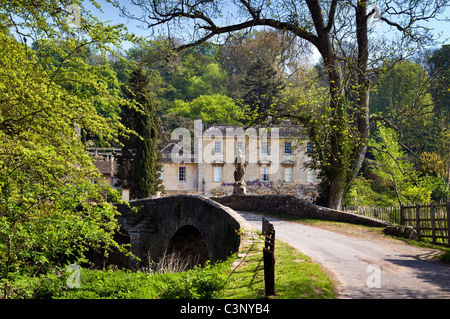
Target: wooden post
column 433, row 222
column 269, row 257
column 402, row 215
column 418, row 220
column 448, row 223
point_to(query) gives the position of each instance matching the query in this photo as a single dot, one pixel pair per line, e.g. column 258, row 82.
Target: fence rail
column 430, row 221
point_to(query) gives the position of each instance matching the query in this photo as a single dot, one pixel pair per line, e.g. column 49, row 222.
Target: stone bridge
column 191, row 226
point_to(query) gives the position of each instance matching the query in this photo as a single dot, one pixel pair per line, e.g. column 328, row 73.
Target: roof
column 107, row 167
column 285, row 130
column 167, row 152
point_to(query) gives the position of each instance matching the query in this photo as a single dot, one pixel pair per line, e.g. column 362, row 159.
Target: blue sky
column 112, row 14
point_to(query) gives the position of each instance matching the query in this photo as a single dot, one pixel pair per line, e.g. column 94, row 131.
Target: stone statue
column 239, row 186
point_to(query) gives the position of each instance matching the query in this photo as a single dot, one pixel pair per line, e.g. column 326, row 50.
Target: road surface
column 366, row 269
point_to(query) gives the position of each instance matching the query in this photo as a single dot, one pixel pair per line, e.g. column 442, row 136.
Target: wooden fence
column 389, row 214
column 430, row 221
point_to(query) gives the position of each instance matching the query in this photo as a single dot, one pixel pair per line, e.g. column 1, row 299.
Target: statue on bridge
column 239, row 186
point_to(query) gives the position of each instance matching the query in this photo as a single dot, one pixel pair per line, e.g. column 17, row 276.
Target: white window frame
column 217, row 147
column 288, row 150
column 310, row 175
column 265, row 148
column 288, row 174
column 217, row 173
column 182, row 174
column 264, row 173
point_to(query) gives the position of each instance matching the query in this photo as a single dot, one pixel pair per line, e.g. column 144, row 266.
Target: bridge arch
column 180, row 223
column 188, row 245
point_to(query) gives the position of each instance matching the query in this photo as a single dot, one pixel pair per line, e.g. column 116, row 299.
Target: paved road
column 365, row 269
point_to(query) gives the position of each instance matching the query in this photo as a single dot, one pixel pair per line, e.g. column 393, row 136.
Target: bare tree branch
column 331, row 16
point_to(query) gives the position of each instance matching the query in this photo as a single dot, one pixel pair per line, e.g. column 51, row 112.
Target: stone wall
column 155, row 221
column 294, row 206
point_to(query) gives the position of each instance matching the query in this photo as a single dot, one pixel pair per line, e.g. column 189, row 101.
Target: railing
column 430, row 221
column 389, row 214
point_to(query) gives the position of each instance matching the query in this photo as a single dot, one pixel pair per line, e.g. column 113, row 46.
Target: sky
column 111, row 13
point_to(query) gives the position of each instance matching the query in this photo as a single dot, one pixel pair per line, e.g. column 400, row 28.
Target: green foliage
column 214, row 109
column 139, row 167
column 405, row 85
column 402, row 96
column 335, row 142
column 393, row 178
column 392, row 165
column 200, row 283
column 50, row 210
column 364, row 192
column 196, row 75
column 440, row 80
column 52, row 198
column 262, row 87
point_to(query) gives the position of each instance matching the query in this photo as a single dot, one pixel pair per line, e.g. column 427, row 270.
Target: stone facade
column 275, row 156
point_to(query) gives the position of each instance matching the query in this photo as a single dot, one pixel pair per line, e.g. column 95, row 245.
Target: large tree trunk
column 345, row 169
column 336, row 194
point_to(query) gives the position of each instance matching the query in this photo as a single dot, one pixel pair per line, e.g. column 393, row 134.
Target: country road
column 366, row 269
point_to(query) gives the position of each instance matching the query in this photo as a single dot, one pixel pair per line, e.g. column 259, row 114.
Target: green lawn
column 296, row 277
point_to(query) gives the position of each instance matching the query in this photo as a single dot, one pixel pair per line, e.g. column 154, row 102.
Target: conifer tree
column 261, row 86
column 138, row 165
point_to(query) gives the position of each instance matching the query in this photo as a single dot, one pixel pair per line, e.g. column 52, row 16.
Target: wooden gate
column 430, row 221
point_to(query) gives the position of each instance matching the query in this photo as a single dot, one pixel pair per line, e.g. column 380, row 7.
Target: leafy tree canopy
column 52, row 198
column 213, row 109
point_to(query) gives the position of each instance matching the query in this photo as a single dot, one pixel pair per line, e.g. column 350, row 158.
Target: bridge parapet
column 186, row 224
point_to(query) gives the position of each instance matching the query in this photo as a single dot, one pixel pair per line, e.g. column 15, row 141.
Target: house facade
column 276, row 160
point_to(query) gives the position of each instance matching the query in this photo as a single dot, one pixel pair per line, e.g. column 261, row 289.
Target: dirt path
column 364, row 264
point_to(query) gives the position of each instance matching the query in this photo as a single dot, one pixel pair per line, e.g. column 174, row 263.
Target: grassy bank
column 296, row 277
column 239, row 277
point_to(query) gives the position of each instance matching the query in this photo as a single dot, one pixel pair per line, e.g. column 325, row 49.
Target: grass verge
column 239, row 277
column 296, row 276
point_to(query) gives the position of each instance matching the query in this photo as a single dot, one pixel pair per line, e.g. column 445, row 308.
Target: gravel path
column 364, row 267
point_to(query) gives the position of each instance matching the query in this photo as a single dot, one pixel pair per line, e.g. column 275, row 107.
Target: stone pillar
column 198, row 154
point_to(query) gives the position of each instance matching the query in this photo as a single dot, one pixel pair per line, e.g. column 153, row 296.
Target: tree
column 139, row 167
column 340, row 31
column 277, row 49
column 392, row 165
column 261, row 87
column 439, row 65
column 52, row 198
column 440, row 74
column 213, row 109
column 402, row 97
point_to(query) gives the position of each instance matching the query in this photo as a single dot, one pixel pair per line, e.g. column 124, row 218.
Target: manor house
column 276, row 159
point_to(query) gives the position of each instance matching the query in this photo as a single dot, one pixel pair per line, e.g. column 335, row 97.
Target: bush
column 200, row 283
